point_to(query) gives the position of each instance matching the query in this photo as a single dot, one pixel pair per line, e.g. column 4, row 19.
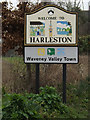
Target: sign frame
column 53, row 45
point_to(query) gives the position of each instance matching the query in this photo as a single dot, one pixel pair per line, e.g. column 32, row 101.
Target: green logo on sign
column 50, row 51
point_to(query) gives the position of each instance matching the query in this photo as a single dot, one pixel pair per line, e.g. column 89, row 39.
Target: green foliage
column 3, row 91
column 18, row 107
column 47, row 104
column 82, row 88
column 50, row 98
column 77, row 97
column 84, row 46
column 78, row 91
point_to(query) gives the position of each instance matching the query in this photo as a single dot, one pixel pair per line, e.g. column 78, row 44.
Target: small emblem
column 50, row 51
column 41, row 51
column 60, row 51
column 50, row 11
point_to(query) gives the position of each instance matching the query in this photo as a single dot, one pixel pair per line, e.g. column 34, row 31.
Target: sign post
column 64, row 83
column 37, row 78
column 51, row 37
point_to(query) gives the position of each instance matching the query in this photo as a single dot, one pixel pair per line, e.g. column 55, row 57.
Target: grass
column 77, row 97
column 18, row 75
column 17, row 62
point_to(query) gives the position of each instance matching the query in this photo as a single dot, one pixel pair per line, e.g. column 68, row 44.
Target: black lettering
column 69, row 59
column 28, row 58
column 66, row 40
column 32, row 39
column 50, row 39
column 59, row 39
column 55, row 40
column 39, row 18
column 42, row 39
column 70, row 39
column 54, row 18
column 46, row 39
column 37, row 39
column 63, row 40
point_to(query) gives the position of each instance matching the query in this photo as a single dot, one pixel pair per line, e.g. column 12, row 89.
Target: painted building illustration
column 37, row 28
column 50, row 29
column 64, row 28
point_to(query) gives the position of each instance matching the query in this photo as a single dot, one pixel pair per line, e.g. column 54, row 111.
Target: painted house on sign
column 37, row 28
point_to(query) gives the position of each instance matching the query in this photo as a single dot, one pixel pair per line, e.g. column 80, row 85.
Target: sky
column 85, row 2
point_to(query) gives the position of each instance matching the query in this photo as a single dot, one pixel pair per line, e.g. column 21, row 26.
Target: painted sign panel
column 51, row 54
column 51, row 26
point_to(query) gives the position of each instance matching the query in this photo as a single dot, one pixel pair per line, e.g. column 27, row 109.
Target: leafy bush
column 18, row 107
column 50, row 98
column 47, row 104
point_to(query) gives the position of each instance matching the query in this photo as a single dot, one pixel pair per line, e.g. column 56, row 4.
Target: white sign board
column 51, row 54
column 51, row 36
column 51, row 26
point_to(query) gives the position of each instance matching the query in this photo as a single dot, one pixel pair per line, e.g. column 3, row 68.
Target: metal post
column 64, row 83
column 37, row 78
